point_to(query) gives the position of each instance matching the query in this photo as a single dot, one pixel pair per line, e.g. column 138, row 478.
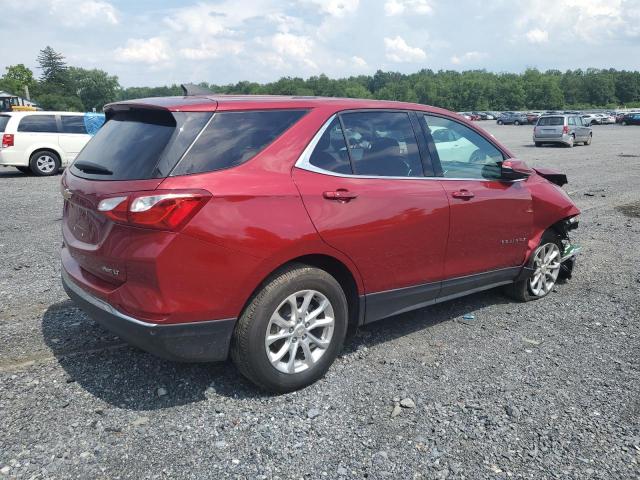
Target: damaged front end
column 569, row 250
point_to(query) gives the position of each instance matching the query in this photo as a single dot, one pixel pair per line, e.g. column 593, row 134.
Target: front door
column 491, row 220
column 372, row 202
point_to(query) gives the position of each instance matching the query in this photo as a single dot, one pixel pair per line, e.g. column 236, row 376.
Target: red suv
column 263, row 227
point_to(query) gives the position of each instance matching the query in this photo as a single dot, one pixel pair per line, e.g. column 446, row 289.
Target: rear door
column 73, row 136
column 490, row 219
column 372, row 202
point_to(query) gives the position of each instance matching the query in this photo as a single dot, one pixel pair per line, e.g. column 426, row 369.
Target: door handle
column 463, row 194
column 341, row 195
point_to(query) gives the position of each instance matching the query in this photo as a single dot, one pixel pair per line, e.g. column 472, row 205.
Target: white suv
column 43, row 142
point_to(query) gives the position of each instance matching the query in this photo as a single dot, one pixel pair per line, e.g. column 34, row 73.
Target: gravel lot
column 548, row 389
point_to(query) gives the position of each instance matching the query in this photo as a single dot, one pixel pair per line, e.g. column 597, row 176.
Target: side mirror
column 515, row 170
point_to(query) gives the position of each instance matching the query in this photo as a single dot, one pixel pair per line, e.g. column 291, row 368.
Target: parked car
column 43, row 142
column 631, row 119
column 264, row 227
column 565, row 129
column 606, row 119
column 465, row 115
column 532, row 117
column 590, row 119
column 511, row 118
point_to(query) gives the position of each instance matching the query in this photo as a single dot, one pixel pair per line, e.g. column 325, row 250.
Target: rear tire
column 499, row 122
column 44, row 163
column 523, row 290
column 270, row 315
column 588, row 142
column 572, row 141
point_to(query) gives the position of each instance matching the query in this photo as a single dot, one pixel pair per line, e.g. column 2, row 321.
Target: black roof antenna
column 191, row 90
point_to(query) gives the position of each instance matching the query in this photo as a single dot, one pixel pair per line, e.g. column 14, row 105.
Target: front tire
column 499, row 122
column 44, row 163
column 516, row 123
column 292, row 329
column 545, row 262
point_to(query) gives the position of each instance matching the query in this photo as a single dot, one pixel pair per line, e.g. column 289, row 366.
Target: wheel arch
column 344, row 275
column 47, row 148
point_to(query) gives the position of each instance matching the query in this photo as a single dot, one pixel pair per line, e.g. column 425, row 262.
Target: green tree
column 94, row 87
column 53, row 66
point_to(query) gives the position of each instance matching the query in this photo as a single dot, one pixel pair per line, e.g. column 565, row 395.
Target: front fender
column 551, row 204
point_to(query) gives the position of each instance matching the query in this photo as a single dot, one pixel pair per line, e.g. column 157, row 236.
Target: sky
column 159, row 42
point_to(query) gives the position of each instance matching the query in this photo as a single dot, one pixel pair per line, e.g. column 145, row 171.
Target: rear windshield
column 233, row 138
column 550, row 121
column 4, row 119
column 139, row 144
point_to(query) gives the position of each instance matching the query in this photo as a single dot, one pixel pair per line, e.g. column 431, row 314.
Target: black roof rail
column 191, row 90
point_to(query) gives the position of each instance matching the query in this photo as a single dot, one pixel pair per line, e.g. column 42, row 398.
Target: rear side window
column 550, row 121
column 38, row 124
column 73, row 124
column 382, row 144
column 232, row 138
column 4, row 119
column 331, row 150
column 139, row 144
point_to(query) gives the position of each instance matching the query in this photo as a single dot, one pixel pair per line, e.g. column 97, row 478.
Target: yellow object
column 22, row 108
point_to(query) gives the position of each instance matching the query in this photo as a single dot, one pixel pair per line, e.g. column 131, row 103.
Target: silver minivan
column 565, row 129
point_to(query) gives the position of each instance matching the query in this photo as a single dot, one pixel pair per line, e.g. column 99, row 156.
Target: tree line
column 64, row 87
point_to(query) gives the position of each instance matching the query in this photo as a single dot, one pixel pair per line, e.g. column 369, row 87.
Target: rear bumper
column 564, row 138
column 10, row 157
column 204, row 341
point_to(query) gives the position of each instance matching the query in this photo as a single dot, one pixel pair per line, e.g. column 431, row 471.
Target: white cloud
column 359, row 61
column 468, row 57
column 212, row 49
column 69, row 13
column 537, row 36
column 399, row 7
column 589, row 20
column 137, row 50
column 337, row 8
column 397, row 50
column 293, row 48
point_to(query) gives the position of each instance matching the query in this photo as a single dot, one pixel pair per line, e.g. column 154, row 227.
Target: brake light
column 565, row 129
column 7, row 140
column 160, row 210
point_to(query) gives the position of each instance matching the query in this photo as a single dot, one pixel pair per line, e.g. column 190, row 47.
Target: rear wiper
column 90, row 167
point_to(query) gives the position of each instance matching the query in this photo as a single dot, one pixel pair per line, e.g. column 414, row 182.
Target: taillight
column 7, row 140
column 160, row 210
column 565, row 129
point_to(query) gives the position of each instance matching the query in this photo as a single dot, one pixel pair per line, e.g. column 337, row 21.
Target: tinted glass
column 73, row 124
column 139, row 144
column 331, row 151
column 572, row 121
column 463, row 152
column 38, row 123
column 550, row 121
column 382, row 144
column 233, row 138
column 4, row 119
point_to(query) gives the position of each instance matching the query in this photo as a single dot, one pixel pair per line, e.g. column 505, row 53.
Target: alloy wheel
column 299, row 331
column 45, row 163
column 546, row 264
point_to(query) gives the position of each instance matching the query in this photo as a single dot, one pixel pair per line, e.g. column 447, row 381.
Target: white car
column 43, row 142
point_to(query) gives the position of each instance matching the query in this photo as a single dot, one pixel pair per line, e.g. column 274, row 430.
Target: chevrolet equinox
column 200, row 227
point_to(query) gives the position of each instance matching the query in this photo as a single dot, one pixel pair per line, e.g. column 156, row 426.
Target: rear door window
column 232, row 138
column 382, row 144
column 38, row 124
column 73, row 124
column 4, row 119
column 139, row 144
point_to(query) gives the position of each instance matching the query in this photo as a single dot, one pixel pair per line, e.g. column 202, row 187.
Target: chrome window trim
column 304, row 163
